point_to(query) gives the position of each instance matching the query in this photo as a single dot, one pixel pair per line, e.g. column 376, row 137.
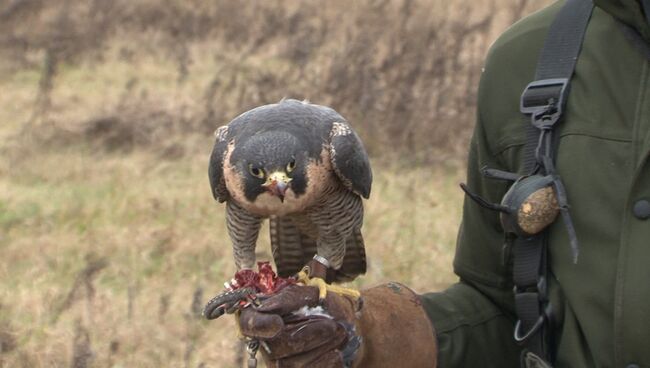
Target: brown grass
column 109, row 237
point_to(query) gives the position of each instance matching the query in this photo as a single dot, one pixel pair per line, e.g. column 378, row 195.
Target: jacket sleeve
column 474, row 319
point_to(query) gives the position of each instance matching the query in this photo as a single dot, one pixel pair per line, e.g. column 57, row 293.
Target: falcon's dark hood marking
column 270, row 152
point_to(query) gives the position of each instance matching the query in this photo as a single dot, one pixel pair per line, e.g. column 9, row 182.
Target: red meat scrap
column 264, row 280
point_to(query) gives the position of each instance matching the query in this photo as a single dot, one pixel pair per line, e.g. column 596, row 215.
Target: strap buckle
column 546, row 315
column 544, row 100
column 521, row 337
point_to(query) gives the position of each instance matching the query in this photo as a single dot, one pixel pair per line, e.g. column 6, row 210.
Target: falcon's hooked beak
column 277, row 183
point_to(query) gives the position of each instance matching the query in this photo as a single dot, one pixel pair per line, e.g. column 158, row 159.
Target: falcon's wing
column 349, row 159
column 215, row 169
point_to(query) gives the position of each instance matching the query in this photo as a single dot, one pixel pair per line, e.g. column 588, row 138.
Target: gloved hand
column 386, row 327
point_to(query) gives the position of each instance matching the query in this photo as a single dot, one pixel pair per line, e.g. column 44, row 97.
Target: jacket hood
column 628, row 12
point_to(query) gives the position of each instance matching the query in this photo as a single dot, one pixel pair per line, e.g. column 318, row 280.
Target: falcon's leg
column 316, row 270
column 336, row 220
column 243, row 228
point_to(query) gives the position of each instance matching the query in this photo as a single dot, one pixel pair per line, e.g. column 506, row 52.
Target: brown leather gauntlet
column 387, row 327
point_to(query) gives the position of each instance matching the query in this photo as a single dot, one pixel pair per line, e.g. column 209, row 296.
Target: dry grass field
column 110, row 241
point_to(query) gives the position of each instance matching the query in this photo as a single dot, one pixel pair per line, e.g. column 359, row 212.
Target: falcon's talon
column 323, row 287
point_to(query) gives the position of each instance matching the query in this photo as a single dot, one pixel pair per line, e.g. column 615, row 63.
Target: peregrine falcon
column 302, row 166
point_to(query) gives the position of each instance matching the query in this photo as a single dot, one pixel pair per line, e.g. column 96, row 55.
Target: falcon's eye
column 256, row 172
column 291, row 165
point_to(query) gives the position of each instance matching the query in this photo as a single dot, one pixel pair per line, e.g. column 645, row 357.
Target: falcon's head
column 283, row 158
column 271, row 162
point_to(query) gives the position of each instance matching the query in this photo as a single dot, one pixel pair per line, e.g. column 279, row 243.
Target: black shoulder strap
column 543, row 101
column 545, row 98
column 646, row 10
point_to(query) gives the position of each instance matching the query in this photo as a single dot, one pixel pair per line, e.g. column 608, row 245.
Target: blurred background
column 110, row 240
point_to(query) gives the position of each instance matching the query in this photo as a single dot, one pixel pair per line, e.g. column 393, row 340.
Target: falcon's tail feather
column 293, row 249
column 290, row 247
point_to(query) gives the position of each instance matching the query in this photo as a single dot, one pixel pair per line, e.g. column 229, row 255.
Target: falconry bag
column 537, row 197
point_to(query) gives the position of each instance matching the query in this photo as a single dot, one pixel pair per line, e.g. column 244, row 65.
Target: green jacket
column 603, row 302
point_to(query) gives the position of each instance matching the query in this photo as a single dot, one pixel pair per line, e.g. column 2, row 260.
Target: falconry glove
column 385, row 327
